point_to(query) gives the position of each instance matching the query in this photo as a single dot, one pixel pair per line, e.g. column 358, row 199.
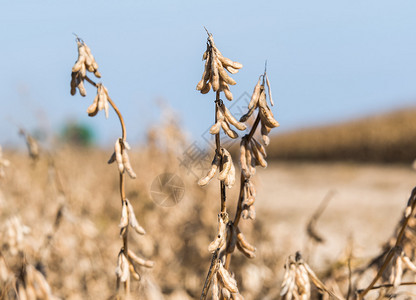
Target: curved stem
column 114, row 106
column 120, row 117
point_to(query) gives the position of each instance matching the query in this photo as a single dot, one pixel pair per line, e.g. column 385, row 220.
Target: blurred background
column 328, row 61
column 343, row 76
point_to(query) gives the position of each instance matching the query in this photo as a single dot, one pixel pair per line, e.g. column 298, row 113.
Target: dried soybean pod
column 237, row 296
column 227, row 162
column 242, row 240
column 230, row 179
column 231, row 69
column 260, row 147
column 112, row 158
column 216, row 127
column 133, row 220
column 246, row 252
column 206, row 88
column 226, row 89
column 228, row 62
column 214, row 289
column 265, row 112
column 269, row 89
column 267, row 117
column 124, row 221
column 243, row 160
column 214, row 166
column 119, row 157
column 225, row 293
column 265, row 134
column 255, row 96
column 106, row 105
column 220, row 239
column 230, row 118
column 229, row 282
column 92, row 110
column 231, row 133
column 248, row 114
column 223, row 75
column 127, row 165
column 250, row 159
column 248, row 197
column 81, row 88
column 140, row 261
column 259, row 157
column 74, row 83
column 215, row 77
column 205, row 75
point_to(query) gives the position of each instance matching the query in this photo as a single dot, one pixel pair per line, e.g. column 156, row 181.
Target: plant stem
column 219, row 152
column 412, row 202
column 241, row 195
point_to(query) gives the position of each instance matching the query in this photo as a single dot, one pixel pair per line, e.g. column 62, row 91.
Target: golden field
column 78, row 254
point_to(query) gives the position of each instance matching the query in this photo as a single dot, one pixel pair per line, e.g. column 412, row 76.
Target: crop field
column 60, row 213
column 320, row 213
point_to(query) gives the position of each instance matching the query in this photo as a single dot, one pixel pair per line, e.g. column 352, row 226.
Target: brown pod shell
column 220, row 239
column 260, row 147
column 226, row 165
column 255, row 96
column 214, row 166
column 226, row 89
column 231, row 119
column 223, row 75
column 215, row 78
column 119, row 157
column 265, row 134
column 231, row 69
column 250, row 159
column 230, row 179
column 81, row 88
column 243, row 159
column 92, row 110
column 206, row 88
column 246, row 252
column 225, row 293
column 205, row 75
column 231, row 133
column 215, row 289
column 259, row 157
column 228, row 62
column 229, row 282
column 242, row 240
column 127, row 165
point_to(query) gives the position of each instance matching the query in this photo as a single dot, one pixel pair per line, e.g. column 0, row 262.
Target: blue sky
column 328, row 61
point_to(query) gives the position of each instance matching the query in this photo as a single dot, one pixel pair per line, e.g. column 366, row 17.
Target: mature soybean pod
column 214, row 166
column 230, row 118
column 255, row 95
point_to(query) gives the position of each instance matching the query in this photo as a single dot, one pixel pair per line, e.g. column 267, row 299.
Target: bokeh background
column 343, row 75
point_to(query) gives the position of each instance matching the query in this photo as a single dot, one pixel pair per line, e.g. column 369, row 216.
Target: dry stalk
column 127, row 261
column 394, row 255
column 229, row 236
